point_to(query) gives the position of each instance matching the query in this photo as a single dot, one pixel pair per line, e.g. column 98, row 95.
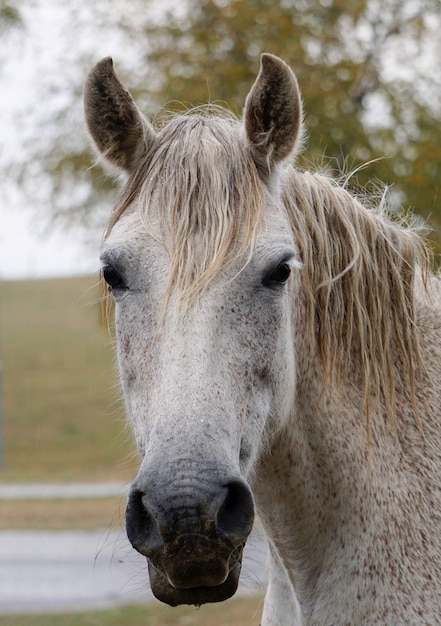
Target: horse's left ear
column 273, row 112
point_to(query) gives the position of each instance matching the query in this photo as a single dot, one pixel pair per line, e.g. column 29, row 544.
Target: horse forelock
column 199, row 193
column 361, row 273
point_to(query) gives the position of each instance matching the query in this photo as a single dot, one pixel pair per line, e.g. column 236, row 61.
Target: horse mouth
column 185, row 592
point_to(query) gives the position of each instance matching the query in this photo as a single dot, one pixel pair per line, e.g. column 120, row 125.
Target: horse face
column 201, row 390
column 204, row 384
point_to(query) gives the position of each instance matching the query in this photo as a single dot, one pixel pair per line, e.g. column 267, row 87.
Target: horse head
column 199, row 256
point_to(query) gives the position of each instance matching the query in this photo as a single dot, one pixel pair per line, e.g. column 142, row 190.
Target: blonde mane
column 360, row 267
column 361, row 271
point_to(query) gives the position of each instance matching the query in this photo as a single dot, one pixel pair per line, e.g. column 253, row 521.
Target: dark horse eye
column 112, row 277
column 277, row 276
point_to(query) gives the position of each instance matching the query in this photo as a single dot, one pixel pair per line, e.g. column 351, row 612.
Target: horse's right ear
column 119, row 130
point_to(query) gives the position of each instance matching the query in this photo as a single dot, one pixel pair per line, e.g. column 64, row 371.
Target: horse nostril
column 150, row 526
column 235, row 516
column 141, row 527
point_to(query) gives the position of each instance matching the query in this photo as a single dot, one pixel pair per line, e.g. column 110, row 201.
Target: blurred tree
column 45, row 157
column 368, row 71
column 9, row 16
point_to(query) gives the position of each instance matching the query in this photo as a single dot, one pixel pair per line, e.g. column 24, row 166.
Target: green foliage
column 10, row 16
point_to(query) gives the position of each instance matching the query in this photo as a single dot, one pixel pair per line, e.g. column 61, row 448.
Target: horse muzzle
column 193, row 538
column 197, row 582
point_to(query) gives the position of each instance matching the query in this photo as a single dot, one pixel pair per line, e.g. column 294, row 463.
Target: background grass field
column 240, row 612
column 63, row 421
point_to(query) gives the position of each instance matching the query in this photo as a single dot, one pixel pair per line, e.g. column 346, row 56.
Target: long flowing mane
column 360, row 267
column 362, row 273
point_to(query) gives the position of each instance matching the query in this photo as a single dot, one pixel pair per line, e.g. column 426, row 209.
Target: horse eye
column 278, row 276
column 112, row 277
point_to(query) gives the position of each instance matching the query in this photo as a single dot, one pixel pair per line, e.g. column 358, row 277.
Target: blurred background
column 369, row 71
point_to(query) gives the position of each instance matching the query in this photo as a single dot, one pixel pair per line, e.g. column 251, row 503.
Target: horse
column 279, row 347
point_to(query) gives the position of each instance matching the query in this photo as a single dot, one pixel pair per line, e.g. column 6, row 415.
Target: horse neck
column 321, row 479
column 340, row 495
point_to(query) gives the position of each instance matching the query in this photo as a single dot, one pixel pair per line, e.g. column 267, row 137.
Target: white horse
column 279, row 346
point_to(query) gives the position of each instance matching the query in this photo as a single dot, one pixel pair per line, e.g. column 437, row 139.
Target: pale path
column 61, row 491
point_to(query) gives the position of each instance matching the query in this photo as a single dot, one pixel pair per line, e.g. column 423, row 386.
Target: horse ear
column 273, row 112
column 119, row 130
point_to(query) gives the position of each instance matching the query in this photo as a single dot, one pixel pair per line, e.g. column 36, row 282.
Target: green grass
column 236, row 612
column 63, row 420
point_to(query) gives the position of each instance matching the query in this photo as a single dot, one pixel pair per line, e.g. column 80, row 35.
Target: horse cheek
column 270, row 371
column 136, row 371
